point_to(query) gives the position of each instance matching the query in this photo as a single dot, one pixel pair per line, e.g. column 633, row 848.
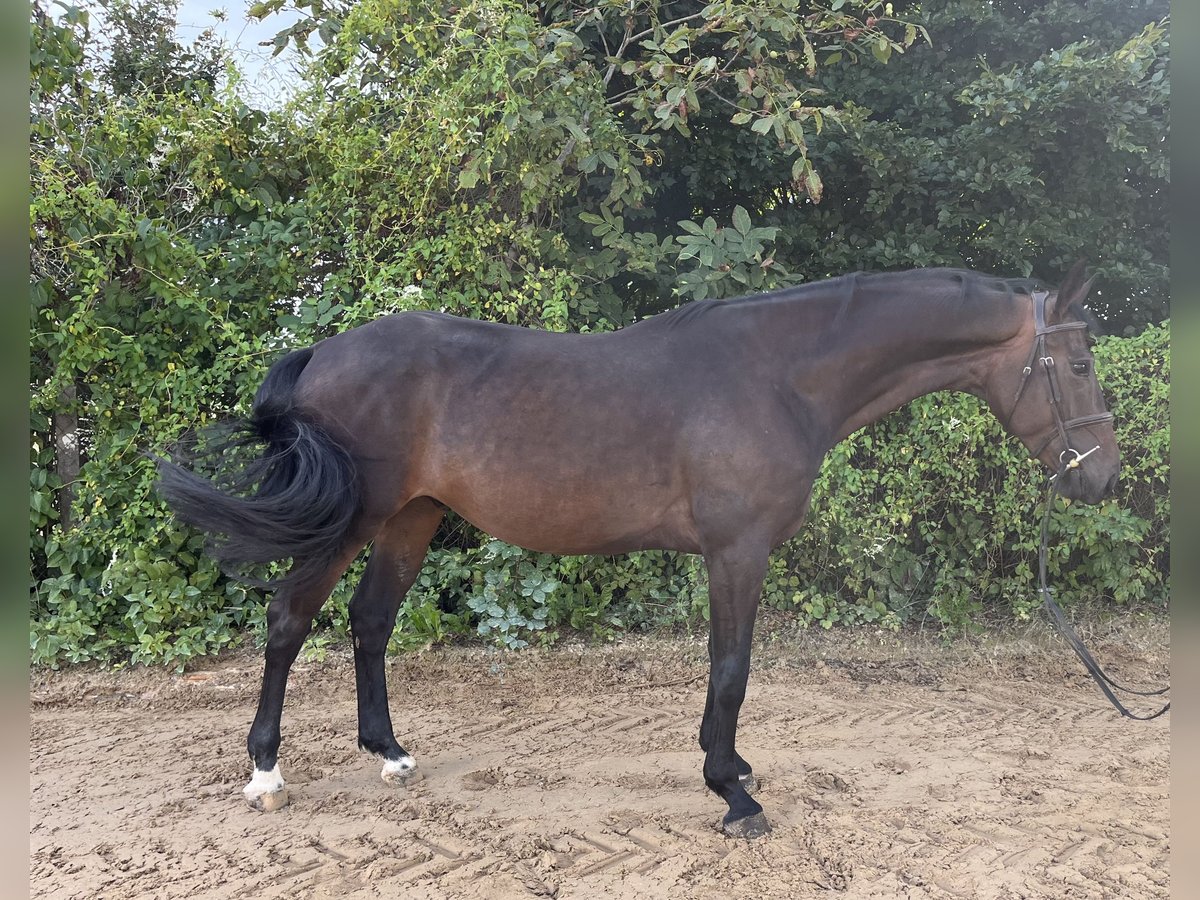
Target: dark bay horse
column 699, row 430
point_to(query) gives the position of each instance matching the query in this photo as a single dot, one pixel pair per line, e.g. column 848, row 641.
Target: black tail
column 294, row 499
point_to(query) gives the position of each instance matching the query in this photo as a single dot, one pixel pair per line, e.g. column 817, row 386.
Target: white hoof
column 401, row 771
column 266, row 791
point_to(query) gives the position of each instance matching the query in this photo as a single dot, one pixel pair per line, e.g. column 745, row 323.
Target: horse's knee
column 730, row 694
column 369, row 638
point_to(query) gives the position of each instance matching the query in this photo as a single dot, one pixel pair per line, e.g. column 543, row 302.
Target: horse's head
column 1046, row 393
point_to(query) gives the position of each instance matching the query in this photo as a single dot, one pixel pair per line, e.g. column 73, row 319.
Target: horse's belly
column 575, row 519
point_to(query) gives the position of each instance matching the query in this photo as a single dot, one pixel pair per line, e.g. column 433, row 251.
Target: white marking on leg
column 400, row 771
column 266, row 790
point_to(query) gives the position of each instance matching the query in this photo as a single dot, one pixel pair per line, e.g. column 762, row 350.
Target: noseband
column 1038, row 355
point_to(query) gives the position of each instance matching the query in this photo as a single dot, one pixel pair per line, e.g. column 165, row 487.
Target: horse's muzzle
column 1087, row 486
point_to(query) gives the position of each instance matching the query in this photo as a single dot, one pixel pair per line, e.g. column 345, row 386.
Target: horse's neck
column 878, row 352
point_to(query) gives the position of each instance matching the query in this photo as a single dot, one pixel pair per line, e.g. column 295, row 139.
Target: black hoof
column 750, row 827
column 748, row 782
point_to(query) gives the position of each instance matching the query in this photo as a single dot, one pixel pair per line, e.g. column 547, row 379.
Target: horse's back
column 532, row 436
column 559, row 442
column 439, row 358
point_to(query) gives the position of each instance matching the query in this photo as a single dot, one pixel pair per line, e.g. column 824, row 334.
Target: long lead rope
column 1107, row 685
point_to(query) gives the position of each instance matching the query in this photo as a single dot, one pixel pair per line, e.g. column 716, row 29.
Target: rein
column 1062, row 430
column 1107, row 685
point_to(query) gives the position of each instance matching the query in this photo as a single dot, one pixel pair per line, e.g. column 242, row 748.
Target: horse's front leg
column 745, row 772
column 735, row 576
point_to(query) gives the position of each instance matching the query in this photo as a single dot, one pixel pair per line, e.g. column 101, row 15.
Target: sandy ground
column 890, row 768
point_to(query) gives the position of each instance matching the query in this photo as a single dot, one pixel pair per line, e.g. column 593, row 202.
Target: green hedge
column 929, row 516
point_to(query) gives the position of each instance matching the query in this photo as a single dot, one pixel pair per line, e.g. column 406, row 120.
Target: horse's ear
column 1074, row 289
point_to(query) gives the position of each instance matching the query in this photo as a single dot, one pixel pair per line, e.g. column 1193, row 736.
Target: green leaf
column 741, row 219
column 813, row 185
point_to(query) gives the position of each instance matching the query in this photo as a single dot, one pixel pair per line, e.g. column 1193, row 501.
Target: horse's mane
column 973, row 287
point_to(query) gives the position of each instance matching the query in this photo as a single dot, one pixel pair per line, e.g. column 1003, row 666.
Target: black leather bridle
column 1062, row 428
column 1038, row 355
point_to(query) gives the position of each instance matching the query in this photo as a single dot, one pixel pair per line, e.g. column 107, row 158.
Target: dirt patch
column 890, row 768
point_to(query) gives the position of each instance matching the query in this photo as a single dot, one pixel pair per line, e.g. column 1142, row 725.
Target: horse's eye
column 1081, row 367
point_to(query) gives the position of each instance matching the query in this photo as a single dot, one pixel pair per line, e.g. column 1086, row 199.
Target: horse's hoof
column 270, row 802
column 402, row 771
column 750, row 827
column 748, row 782
column 266, row 791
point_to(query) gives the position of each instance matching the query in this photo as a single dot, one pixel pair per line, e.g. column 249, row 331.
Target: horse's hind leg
column 289, row 620
column 395, row 561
